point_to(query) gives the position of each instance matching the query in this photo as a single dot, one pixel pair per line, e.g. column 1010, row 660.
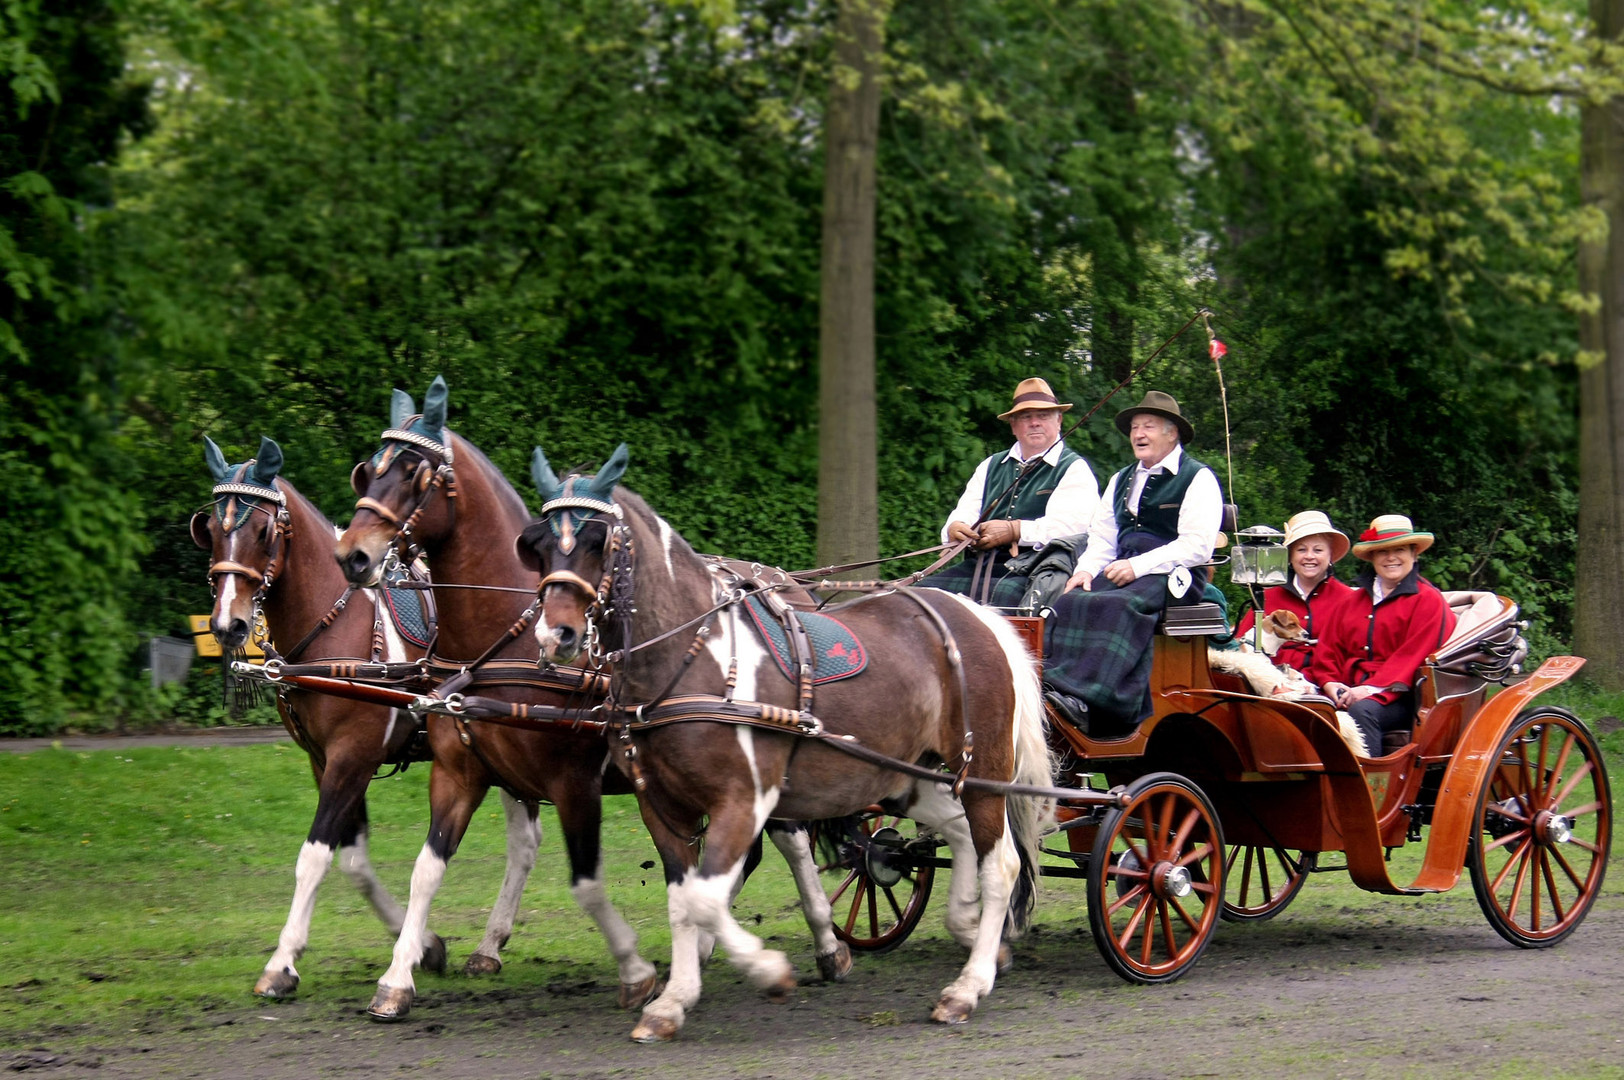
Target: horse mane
column 506, row 493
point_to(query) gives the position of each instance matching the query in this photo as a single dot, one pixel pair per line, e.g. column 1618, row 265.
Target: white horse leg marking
column 308, row 872
column 705, row 902
column 426, row 877
column 356, row 866
column 796, row 847
column 622, row 939
column 523, row 838
column 935, row 806
column 682, row 986
column 998, row 873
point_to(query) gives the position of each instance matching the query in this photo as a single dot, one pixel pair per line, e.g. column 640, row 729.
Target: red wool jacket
column 1316, row 611
column 1383, row 644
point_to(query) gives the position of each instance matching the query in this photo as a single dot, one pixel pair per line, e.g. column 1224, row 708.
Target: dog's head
column 1285, row 625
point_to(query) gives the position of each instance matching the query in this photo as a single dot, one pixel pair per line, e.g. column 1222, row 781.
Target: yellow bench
column 209, row 645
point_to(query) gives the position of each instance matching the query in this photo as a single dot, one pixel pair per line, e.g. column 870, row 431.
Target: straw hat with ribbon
column 1315, row 523
column 1034, row 394
column 1390, row 530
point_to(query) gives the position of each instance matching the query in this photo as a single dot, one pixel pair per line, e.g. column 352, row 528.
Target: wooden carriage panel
column 1287, row 811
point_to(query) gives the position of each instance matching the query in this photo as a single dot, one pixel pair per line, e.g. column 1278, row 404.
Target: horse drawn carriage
column 596, row 621
column 1233, row 798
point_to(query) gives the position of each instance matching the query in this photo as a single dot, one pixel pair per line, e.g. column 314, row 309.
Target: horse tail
column 1026, row 816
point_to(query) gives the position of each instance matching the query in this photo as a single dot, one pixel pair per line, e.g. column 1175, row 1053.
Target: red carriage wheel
column 877, row 893
column 1156, row 879
column 1542, row 828
column 1262, row 880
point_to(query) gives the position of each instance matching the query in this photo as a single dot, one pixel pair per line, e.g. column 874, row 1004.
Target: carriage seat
column 1193, row 620
column 1487, row 643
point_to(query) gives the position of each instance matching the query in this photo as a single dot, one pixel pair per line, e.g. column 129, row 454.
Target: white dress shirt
column 1200, row 514
column 1068, row 512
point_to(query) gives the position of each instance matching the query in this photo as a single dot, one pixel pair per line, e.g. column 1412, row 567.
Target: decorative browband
column 253, row 491
column 579, row 502
column 402, row 435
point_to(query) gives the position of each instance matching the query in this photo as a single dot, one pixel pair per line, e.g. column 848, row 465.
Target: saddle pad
column 408, row 611
column 838, row 653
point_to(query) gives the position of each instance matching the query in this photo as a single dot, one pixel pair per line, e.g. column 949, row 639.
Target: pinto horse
column 433, row 489
column 942, row 669
column 270, row 550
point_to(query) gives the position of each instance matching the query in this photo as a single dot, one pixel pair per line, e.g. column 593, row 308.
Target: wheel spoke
column 1519, row 835
column 1246, row 874
column 1140, row 890
column 1567, row 789
column 1186, row 827
column 1513, row 860
column 891, row 899
column 1524, row 857
column 1134, row 920
column 1194, row 925
column 1567, row 868
column 1195, row 855
column 1166, row 919
column 1550, row 888
column 844, row 885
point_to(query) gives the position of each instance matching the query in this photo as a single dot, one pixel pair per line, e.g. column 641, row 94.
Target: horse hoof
column 655, row 1029
column 782, row 990
column 389, row 1005
column 835, row 966
column 433, row 958
column 480, row 964
column 953, row 1011
column 636, row 995
column 276, row 984
column 1006, row 957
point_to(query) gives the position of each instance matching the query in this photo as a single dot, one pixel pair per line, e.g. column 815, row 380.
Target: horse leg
column 663, row 1017
column 340, row 819
column 795, row 844
column 999, row 868
column 707, row 941
column 523, row 839
column 935, row 806
column 356, row 865
column 451, row 806
column 580, row 816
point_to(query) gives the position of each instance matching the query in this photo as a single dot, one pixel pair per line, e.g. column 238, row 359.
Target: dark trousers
column 1375, row 719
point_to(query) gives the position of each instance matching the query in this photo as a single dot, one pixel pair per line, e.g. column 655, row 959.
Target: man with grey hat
column 1148, row 544
column 1035, row 492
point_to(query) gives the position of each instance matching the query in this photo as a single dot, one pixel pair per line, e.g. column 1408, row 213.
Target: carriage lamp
column 1259, row 557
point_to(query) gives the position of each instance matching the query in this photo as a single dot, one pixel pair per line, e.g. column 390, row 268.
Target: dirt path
column 1393, row 987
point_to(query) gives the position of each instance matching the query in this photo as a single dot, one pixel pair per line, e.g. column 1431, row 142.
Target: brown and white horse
column 433, row 489
column 614, row 571
column 270, row 552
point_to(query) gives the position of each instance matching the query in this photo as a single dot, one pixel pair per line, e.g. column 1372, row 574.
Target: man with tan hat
column 1149, row 542
column 1035, row 492
column 1380, row 636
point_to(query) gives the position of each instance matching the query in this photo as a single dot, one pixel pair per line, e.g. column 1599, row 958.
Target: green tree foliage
column 601, row 220
column 69, row 517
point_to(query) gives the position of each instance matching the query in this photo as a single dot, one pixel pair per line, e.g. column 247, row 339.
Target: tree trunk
column 848, row 488
column 1598, row 619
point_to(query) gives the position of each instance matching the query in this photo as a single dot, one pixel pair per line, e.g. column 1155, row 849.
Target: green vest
column 1159, row 503
column 1031, row 495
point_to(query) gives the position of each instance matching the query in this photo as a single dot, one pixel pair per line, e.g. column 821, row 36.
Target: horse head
column 246, row 529
column 578, row 546
column 406, row 489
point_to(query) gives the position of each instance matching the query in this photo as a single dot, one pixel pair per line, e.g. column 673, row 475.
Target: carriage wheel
column 1542, row 828
column 1156, row 880
column 878, row 897
column 1262, row 880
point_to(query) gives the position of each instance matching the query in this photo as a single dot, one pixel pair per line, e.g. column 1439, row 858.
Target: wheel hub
column 878, row 859
column 1174, row 881
column 1553, row 828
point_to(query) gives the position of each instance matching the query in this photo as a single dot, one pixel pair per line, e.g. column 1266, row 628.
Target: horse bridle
column 612, row 594
column 281, row 529
column 444, row 476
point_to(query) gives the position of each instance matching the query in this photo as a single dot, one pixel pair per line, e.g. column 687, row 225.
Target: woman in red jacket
column 1312, row 594
column 1382, row 634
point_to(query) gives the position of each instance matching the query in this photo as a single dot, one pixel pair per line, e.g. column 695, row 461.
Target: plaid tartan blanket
column 1007, row 587
column 1097, row 645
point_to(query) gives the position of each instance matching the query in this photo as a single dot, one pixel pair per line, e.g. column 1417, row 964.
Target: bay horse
column 269, row 547
column 430, row 488
column 616, row 576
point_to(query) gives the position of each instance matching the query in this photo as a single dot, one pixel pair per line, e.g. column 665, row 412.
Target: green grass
column 149, row 886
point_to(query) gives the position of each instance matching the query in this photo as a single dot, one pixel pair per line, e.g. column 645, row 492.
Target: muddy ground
column 1392, row 987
